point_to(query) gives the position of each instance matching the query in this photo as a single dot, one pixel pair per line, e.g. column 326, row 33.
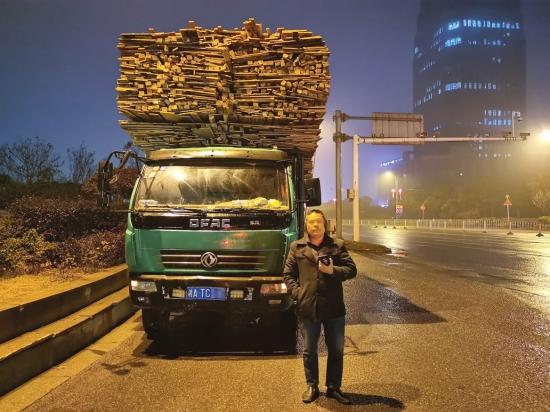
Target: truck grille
column 227, row 259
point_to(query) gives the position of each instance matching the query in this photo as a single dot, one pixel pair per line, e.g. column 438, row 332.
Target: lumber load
column 245, row 86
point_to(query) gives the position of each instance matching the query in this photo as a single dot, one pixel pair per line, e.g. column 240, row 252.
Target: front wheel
column 284, row 326
column 155, row 323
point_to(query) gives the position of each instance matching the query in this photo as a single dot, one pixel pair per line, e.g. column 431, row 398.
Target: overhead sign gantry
column 389, row 129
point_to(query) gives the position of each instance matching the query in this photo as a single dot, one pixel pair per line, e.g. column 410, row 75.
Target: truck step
column 26, row 356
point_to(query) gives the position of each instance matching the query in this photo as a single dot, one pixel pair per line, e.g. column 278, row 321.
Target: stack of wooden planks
column 224, row 86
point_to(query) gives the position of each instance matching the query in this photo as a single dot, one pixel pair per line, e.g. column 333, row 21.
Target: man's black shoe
column 311, row 393
column 338, row 395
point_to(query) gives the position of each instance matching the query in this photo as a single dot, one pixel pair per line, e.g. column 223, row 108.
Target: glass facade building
column 468, row 80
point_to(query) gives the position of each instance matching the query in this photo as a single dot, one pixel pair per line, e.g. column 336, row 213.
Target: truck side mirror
column 312, row 191
column 104, row 176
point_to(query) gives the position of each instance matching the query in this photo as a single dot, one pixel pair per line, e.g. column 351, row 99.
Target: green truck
column 209, row 229
column 229, row 120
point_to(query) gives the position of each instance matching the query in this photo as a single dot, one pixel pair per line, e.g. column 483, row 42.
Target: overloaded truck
column 229, row 122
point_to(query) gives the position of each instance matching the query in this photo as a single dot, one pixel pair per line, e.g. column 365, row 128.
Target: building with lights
column 468, row 80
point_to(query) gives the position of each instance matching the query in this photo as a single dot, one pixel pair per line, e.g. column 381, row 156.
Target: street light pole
column 338, row 142
column 396, row 194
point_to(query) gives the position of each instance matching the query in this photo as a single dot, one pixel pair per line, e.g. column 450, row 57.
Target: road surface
column 419, row 336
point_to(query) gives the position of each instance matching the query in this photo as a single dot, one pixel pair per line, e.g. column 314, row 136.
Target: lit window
column 453, row 42
column 453, row 86
column 453, row 25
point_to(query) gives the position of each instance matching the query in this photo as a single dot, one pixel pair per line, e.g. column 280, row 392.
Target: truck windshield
column 213, row 187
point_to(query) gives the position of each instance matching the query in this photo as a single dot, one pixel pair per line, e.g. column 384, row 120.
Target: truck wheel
column 289, row 330
column 155, row 323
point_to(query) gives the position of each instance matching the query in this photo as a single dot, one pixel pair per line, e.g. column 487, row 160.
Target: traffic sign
column 507, row 201
column 399, row 210
column 422, row 207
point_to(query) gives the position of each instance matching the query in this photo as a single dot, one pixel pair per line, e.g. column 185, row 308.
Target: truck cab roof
column 222, row 152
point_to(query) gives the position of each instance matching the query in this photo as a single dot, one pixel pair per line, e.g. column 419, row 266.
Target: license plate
column 206, row 293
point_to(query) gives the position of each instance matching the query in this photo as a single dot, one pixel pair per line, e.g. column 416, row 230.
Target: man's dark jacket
column 318, row 295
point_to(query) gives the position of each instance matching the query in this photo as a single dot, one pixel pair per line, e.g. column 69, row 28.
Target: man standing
column 314, row 271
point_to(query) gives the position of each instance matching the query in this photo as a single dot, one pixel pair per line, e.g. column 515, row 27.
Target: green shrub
column 96, row 250
column 11, row 190
column 61, row 219
column 544, row 219
column 103, row 249
column 23, row 253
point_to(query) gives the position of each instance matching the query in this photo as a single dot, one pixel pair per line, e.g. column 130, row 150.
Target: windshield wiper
column 166, row 208
column 245, row 210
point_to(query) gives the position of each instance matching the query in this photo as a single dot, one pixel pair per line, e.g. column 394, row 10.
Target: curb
column 62, row 339
column 366, row 247
column 31, row 315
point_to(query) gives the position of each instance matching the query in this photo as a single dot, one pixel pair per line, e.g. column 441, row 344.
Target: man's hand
column 327, row 269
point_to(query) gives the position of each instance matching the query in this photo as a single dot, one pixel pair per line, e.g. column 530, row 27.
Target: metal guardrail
column 457, row 224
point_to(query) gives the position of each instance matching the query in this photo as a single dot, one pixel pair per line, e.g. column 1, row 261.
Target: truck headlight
column 143, row 286
column 273, row 288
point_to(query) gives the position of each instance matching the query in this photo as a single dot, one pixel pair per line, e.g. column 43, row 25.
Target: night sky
column 58, row 65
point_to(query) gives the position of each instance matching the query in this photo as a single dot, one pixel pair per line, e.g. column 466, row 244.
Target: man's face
column 315, row 225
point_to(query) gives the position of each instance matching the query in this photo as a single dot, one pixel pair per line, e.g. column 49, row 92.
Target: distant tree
column 541, row 200
column 81, row 163
column 5, row 179
column 30, row 161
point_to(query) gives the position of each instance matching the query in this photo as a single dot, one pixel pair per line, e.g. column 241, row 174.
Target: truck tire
column 289, row 331
column 155, row 323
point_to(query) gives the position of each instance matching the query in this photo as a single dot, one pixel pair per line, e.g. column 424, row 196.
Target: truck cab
column 209, row 229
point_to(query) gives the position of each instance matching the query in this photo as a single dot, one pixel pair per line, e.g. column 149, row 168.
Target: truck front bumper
column 242, row 294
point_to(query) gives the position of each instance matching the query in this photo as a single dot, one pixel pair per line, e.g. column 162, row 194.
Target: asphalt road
column 519, row 263
column 418, row 337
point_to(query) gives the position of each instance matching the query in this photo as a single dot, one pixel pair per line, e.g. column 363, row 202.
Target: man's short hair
column 320, row 212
